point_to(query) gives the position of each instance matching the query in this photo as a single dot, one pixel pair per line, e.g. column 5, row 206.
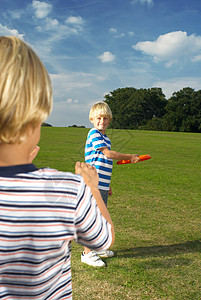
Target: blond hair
column 25, row 90
column 100, row 109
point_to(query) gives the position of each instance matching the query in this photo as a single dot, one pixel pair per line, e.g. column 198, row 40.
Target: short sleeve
column 97, row 140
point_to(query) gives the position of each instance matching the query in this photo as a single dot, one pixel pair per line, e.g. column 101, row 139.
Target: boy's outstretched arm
column 134, row 158
column 91, row 179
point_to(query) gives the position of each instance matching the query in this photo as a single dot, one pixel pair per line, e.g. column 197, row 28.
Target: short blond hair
column 25, row 90
column 100, row 109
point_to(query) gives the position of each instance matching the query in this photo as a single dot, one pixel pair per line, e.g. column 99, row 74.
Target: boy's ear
column 92, row 120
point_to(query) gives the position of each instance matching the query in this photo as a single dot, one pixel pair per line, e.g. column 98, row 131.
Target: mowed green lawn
column 155, row 208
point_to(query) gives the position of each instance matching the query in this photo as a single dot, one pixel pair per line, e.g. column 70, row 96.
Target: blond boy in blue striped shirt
column 98, row 153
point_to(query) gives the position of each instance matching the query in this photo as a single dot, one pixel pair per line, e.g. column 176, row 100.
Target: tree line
column 148, row 109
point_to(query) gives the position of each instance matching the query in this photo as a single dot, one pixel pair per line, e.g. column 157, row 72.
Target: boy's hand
column 88, row 173
column 135, row 158
column 110, row 191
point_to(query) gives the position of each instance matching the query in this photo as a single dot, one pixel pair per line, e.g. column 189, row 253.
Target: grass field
column 155, row 208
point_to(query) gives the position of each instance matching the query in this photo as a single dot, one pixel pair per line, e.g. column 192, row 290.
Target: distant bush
column 46, row 124
column 77, row 126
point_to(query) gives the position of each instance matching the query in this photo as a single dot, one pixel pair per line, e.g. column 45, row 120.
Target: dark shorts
column 104, row 195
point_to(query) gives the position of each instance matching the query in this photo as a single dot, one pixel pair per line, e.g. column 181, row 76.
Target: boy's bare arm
column 91, row 179
column 117, row 155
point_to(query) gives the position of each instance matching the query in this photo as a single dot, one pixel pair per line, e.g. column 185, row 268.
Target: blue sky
column 92, row 47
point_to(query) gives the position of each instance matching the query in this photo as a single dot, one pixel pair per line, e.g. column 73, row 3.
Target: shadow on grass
column 187, row 247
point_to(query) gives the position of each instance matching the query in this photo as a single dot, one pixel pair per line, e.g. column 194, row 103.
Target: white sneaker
column 105, row 253
column 92, row 259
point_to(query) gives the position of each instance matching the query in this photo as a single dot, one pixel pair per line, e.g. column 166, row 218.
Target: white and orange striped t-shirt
column 41, row 212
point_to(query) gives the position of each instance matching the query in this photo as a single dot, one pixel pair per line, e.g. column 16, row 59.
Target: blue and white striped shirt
column 41, row 212
column 95, row 141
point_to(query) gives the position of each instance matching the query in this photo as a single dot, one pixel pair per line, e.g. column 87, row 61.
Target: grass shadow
column 161, row 250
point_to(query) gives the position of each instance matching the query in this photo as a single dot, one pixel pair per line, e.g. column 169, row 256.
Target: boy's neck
column 20, row 153
column 102, row 131
column 13, row 154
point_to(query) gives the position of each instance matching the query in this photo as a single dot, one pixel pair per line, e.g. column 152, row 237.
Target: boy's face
column 101, row 123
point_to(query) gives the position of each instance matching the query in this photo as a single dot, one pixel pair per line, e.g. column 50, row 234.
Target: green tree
column 132, row 107
column 155, row 124
column 183, row 111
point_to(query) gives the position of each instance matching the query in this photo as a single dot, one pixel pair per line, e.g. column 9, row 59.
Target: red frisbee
column 127, row 161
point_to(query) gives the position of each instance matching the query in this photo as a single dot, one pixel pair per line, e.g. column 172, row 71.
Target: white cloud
column 176, row 84
column 15, row 14
column 76, row 23
column 113, row 30
column 53, row 22
column 73, row 94
column 64, row 84
column 75, row 20
column 196, row 58
column 56, row 30
column 62, row 30
column 107, row 57
column 120, row 35
column 42, row 9
column 72, row 101
column 171, row 47
column 148, row 2
column 4, row 30
column 49, row 24
column 65, row 114
column 76, row 83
